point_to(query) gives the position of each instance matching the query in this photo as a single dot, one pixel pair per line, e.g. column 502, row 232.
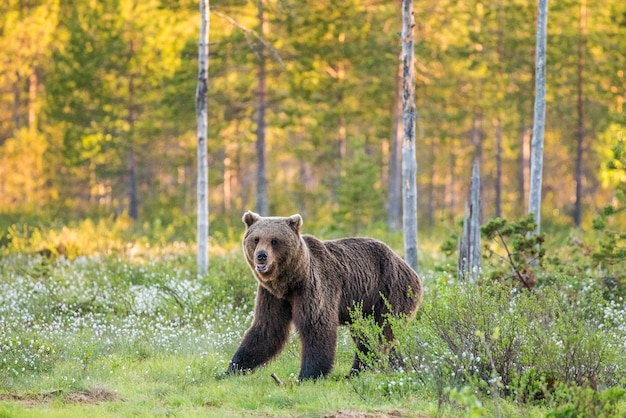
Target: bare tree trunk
column 451, row 184
column 341, row 149
column 202, row 120
column 33, row 85
column 470, row 262
column 133, row 206
column 17, row 102
column 498, row 185
column 536, row 157
column 431, row 184
column 500, row 49
column 477, row 141
column 262, row 204
column 522, row 163
column 580, row 134
column 227, row 178
column 394, row 203
column 476, row 137
column 409, row 163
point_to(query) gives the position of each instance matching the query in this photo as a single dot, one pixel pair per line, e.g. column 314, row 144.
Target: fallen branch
column 277, row 379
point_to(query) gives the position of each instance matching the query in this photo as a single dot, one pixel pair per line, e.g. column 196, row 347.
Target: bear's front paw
column 311, row 375
column 236, row 368
column 233, row 368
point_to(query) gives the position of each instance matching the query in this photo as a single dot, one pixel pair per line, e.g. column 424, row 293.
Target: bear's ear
column 250, row 218
column 295, row 222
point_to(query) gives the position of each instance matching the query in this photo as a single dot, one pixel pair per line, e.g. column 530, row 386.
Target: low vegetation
column 93, row 322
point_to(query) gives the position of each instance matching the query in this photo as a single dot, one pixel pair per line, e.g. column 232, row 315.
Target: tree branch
column 518, row 274
column 247, row 31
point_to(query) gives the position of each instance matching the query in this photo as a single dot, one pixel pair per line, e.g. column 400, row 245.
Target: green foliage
column 450, row 245
column 360, row 197
column 105, row 236
column 611, row 253
column 84, row 84
column 136, row 322
column 380, row 353
column 581, row 402
column 518, row 249
column 516, row 345
column 466, row 400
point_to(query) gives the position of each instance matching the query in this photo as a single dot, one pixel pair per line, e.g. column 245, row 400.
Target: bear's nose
column 261, row 256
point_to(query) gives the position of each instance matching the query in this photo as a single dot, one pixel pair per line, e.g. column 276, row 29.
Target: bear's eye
column 256, row 240
column 274, row 242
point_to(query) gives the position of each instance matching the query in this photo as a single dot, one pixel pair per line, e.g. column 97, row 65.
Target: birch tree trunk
column 536, row 153
column 202, row 116
column 409, row 163
column 262, row 204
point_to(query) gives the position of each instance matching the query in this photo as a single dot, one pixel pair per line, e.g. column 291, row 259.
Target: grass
column 107, row 337
column 131, row 331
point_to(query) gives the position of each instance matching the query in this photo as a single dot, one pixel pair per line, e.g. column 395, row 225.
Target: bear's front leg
column 318, row 334
column 267, row 335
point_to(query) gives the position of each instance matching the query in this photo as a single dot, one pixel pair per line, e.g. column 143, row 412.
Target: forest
column 97, row 108
column 103, row 309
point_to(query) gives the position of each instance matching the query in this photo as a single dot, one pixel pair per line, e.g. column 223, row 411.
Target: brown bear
column 313, row 284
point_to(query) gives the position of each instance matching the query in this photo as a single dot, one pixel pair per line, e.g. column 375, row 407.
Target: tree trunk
column 470, row 262
column 536, row 154
column 409, row 163
column 133, row 206
column 202, row 121
column 500, row 49
column 522, row 163
column 227, row 177
column 17, row 102
column 498, row 185
column 451, row 184
column 33, row 108
column 477, row 140
column 394, row 202
column 580, row 134
column 431, row 183
column 339, row 169
column 476, row 136
column 262, row 204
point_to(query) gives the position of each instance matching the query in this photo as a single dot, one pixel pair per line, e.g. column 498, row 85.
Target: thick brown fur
column 313, row 284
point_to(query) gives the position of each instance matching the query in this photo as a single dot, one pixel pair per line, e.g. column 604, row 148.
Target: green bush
column 584, row 402
column 518, row 344
column 514, row 250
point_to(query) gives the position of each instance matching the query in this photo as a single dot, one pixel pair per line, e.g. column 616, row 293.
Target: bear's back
column 362, row 269
column 349, row 254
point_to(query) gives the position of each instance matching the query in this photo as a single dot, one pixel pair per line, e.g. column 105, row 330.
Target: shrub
column 517, row 250
column 518, row 344
column 585, row 402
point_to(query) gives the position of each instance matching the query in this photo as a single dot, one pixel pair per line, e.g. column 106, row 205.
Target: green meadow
column 97, row 322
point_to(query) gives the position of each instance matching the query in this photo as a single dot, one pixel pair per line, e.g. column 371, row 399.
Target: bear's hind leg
column 362, row 351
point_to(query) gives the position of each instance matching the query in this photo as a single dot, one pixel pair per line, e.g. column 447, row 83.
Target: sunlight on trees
column 95, row 101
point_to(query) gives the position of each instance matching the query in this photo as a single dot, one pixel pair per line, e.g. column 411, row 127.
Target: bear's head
column 272, row 245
